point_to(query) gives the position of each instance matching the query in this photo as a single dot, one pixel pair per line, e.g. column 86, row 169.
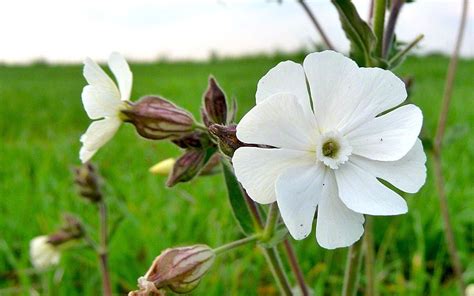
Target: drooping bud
column 88, row 182
column 187, row 166
column 177, row 269
column 215, row 104
column 44, row 249
column 156, row 118
column 227, row 138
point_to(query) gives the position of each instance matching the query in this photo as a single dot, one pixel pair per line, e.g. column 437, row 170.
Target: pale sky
column 70, row 30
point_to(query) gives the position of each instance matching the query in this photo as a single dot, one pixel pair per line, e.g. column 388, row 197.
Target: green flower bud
column 215, row 105
column 187, row 166
column 156, row 118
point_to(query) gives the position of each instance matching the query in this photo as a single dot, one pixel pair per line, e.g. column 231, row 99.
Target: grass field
column 41, row 119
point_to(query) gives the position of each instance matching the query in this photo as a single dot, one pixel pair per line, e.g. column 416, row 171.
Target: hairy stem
column 403, row 52
column 391, row 23
column 316, row 24
column 295, row 267
column 369, row 256
column 351, row 277
column 272, row 220
column 236, row 244
column 271, row 254
column 379, row 23
column 102, row 250
column 437, row 153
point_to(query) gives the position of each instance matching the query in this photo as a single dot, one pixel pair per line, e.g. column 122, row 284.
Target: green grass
column 41, row 119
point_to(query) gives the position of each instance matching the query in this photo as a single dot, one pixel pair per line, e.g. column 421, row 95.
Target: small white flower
column 103, row 102
column 42, row 253
column 329, row 160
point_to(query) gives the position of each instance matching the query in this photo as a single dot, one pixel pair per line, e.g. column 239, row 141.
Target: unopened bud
column 215, row 103
column 196, row 139
column 88, row 182
column 177, row 269
column 156, row 118
column 71, row 229
column 187, row 166
column 163, row 167
column 227, row 138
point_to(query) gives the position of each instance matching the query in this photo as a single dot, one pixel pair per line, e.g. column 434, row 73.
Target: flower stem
column 295, row 267
column 351, row 277
column 272, row 220
column 369, row 256
column 391, row 23
column 403, row 52
column 437, row 153
column 235, row 244
column 271, row 254
column 379, row 22
column 316, row 24
column 102, row 249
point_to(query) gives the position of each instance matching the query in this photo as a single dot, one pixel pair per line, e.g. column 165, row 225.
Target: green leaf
column 237, row 199
column 360, row 35
column 279, row 236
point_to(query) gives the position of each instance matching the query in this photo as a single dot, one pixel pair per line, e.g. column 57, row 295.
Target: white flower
column 329, row 160
column 42, row 253
column 103, row 102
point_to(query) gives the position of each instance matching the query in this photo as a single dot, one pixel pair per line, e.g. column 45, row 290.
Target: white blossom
column 42, row 253
column 331, row 144
column 103, row 102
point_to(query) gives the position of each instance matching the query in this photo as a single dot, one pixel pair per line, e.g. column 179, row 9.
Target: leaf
column 237, row 199
column 279, row 236
column 360, row 35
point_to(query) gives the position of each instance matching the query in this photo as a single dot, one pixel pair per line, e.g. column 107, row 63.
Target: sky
column 67, row 31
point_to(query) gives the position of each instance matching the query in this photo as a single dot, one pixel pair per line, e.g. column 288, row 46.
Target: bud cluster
column 88, row 182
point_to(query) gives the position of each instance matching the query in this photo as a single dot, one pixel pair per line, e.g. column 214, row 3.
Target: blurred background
column 173, row 46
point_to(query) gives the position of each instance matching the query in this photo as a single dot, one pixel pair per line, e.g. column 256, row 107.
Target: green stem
column 272, row 219
column 276, row 266
column 379, row 23
column 103, row 250
column 236, row 244
column 369, row 256
column 403, row 52
column 351, row 277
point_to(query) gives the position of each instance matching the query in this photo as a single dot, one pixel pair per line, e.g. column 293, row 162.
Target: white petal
column 298, row 190
column 258, row 169
column 97, row 77
column 286, row 77
column 98, row 133
column 344, row 95
column 123, row 75
column 388, row 137
column 407, row 173
column 337, row 226
column 281, row 122
column 99, row 102
column 363, row 193
column 42, row 253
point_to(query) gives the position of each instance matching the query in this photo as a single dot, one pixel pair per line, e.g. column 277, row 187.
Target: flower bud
column 196, row 139
column 215, row 103
column 227, row 138
column 156, row 118
column 88, row 181
column 163, row 167
column 177, row 269
column 187, row 166
column 44, row 249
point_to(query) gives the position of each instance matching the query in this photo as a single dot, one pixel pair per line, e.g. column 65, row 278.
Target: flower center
column 333, row 150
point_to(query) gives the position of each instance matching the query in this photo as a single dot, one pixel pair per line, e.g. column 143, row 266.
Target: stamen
column 330, row 149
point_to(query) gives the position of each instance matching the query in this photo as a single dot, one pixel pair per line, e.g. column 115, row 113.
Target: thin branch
column 391, row 23
column 437, row 153
column 102, row 250
column 295, row 267
column 403, row 52
column 379, row 23
column 369, row 256
column 351, row 276
column 236, row 244
column 371, row 13
column 316, row 24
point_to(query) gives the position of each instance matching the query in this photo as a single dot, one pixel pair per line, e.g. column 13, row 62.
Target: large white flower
column 330, row 151
column 103, row 102
column 42, row 253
